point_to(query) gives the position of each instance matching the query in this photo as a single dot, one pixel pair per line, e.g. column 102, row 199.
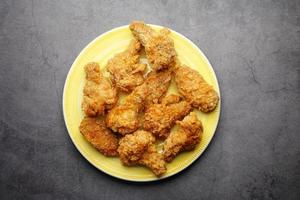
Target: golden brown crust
column 124, row 118
column 125, row 69
column 185, row 138
column 95, row 132
column 98, row 94
column 195, row 89
column 157, row 86
column 160, row 118
column 133, row 146
column 138, row 148
column 159, row 46
column 154, row 160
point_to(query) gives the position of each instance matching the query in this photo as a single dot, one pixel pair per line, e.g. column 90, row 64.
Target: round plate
column 100, row 50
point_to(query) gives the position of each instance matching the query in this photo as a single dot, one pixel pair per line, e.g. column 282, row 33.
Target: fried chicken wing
column 125, row 69
column 95, row 132
column 157, row 85
column 98, row 94
column 185, row 138
column 159, row 118
column 195, row 89
column 123, row 118
column 138, row 149
column 159, row 47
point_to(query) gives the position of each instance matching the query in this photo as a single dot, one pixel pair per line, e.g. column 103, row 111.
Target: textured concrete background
column 254, row 47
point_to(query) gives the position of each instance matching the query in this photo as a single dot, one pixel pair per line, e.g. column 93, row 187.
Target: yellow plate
column 100, row 50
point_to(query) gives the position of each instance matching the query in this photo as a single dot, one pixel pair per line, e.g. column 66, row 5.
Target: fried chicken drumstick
column 98, row 94
column 160, row 118
column 195, row 89
column 125, row 69
column 159, row 47
column 138, row 149
column 185, row 138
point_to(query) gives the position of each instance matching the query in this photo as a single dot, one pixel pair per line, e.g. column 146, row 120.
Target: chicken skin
column 139, row 149
column 195, row 89
column 160, row 118
column 98, row 94
column 125, row 69
column 159, row 47
column 95, row 132
column 185, row 138
column 123, row 118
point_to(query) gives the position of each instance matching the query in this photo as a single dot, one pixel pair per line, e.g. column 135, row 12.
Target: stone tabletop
column 254, row 48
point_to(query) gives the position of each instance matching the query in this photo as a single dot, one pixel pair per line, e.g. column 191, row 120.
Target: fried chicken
column 160, row 118
column 195, row 89
column 98, row 94
column 138, row 149
column 95, row 132
column 157, row 85
column 159, row 47
column 125, row 69
column 123, row 118
column 185, row 138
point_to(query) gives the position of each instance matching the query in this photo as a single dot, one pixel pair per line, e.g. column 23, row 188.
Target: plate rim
column 146, row 179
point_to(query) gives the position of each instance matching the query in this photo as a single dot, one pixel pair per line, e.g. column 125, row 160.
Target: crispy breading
column 157, row 85
column 160, row 118
column 138, row 148
column 123, row 118
column 153, row 160
column 125, row 69
column 195, row 89
column 95, row 132
column 185, row 138
column 98, row 93
column 159, row 47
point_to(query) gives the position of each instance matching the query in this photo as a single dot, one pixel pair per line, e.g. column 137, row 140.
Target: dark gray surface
column 254, row 47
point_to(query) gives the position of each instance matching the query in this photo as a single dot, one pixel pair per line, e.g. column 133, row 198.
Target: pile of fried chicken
column 129, row 129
